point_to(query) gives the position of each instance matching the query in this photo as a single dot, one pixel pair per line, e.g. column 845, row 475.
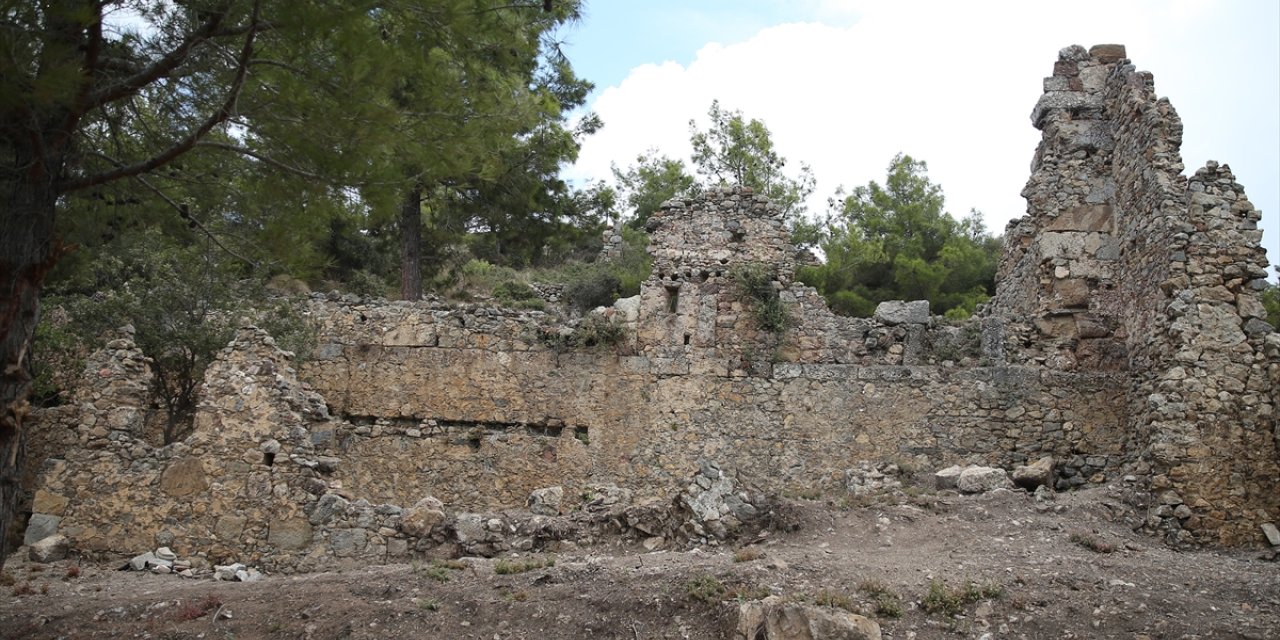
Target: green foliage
column 951, row 601
column 896, row 242
column 504, row 567
column 651, row 181
column 592, row 332
column 592, row 288
column 184, row 304
column 887, row 601
column 734, row 150
column 706, row 588
column 757, row 286
column 1271, row 302
column 514, row 291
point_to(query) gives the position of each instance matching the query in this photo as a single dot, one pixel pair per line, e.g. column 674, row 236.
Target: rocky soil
column 921, row 564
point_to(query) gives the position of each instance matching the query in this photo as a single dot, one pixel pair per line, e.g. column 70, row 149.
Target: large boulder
column 1036, row 474
column 983, row 479
column 546, row 502
column 775, row 618
column 50, row 549
column 949, row 477
column 902, row 312
column 422, row 518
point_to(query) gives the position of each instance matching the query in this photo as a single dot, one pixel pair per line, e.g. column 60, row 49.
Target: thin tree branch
column 186, row 215
column 187, row 143
column 264, row 158
column 168, row 62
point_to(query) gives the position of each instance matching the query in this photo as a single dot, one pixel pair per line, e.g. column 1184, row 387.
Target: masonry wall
column 1123, row 262
column 1125, row 338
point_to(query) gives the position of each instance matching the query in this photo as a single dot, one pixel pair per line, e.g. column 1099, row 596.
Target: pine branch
column 187, row 143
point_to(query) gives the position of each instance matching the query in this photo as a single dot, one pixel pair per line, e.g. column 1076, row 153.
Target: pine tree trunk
column 26, row 254
column 411, row 245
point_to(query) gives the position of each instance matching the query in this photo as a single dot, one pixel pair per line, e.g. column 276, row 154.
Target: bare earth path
column 1027, row 564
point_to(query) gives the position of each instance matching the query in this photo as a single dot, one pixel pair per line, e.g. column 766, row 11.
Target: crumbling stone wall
column 1123, row 262
column 1125, row 338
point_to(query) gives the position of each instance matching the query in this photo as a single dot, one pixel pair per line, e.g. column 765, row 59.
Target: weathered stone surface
column 51, row 549
column 948, row 478
column 39, row 527
column 977, row 479
column 774, row 618
column 546, row 501
column 1272, row 534
column 423, row 517
column 330, row 506
column 902, row 312
column 184, row 477
column 1037, row 474
column 290, row 533
column 1126, row 333
column 48, row 502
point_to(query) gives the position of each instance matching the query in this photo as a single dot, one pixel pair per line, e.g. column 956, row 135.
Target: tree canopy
column 286, row 137
column 896, row 242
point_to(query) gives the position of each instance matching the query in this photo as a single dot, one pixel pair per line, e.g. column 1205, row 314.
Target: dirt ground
column 994, row 566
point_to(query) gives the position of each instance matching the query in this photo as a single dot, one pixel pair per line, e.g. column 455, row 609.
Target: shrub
column 1088, row 541
column 503, row 567
column 592, row 288
column 835, row 600
column 514, row 291
column 951, row 601
column 705, row 588
column 755, row 284
column 747, row 554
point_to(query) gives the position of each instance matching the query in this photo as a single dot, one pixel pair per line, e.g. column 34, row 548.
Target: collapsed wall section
column 1123, row 263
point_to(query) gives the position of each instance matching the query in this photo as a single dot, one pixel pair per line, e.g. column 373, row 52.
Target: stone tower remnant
column 1124, row 263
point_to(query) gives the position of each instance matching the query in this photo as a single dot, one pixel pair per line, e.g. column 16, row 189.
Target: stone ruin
column 1126, row 342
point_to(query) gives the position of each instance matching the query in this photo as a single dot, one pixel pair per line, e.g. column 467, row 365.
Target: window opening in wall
column 269, row 458
column 673, row 299
column 686, row 339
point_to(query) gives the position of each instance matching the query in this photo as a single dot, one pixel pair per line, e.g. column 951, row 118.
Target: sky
column 844, row 85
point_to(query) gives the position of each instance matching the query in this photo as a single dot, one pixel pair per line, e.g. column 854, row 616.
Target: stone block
column 776, row 618
column 290, row 533
column 1072, row 292
column 546, row 502
column 348, row 542
column 947, row 478
column 1272, row 533
column 1037, row 474
column 902, row 312
column 982, row 479
column 47, row 502
column 184, row 477
column 423, row 517
column 327, row 508
column 1108, row 53
column 1095, row 218
column 39, row 527
column 50, row 549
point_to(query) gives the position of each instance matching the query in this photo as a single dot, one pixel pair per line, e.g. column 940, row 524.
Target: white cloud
column 947, row 82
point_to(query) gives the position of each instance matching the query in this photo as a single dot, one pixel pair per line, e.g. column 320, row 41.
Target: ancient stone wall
column 1124, row 263
column 1125, row 338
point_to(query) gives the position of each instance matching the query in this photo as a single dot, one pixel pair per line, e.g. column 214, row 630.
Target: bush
column 514, row 291
column 184, row 304
column 755, row 284
column 593, row 288
column 951, row 601
column 504, row 567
